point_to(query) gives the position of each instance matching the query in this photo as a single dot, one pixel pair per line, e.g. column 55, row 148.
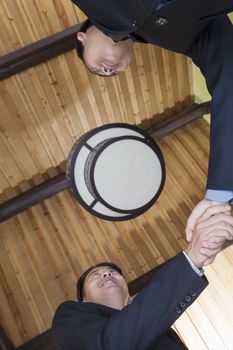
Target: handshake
column 212, row 232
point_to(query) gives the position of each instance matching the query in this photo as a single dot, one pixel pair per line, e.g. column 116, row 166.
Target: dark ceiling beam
column 59, row 183
column 33, row 196
column 38, row 52
column 179, row 120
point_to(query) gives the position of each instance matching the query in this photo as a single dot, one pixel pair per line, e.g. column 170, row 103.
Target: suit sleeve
column 212, row 52
column 139, row 325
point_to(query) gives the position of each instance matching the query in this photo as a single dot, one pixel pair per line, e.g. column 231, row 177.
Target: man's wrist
column 199, row 270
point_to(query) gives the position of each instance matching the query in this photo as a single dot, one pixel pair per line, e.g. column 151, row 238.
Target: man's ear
column 81, row 36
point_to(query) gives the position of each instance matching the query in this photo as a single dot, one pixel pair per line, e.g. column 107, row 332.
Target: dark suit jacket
column 199, row 29
column 142, row 325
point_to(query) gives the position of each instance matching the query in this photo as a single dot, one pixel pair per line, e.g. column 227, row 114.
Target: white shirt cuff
column 199, row 272
column 219, row 195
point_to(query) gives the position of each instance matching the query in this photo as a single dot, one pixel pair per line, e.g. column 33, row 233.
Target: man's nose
column 107, row 71
column 107, row 274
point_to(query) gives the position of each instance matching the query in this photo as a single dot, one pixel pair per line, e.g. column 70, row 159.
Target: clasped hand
column 209, row 234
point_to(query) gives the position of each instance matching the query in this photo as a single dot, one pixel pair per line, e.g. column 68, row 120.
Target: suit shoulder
column 67, row 309
column 70, row 306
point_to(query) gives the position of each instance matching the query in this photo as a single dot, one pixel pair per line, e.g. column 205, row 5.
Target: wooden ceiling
column 46, row 108
column 43, row 111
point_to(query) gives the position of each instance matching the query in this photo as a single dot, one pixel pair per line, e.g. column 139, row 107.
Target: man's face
column 103, row 282
column 102, row 55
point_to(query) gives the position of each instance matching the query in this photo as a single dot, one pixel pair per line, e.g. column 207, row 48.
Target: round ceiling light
column 116, row 171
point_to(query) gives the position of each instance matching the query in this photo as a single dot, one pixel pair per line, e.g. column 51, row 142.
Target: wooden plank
column 38, row 52
column 59, row 183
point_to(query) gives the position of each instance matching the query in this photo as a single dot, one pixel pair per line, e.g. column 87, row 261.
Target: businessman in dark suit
column 199, row 29
column 107, row 318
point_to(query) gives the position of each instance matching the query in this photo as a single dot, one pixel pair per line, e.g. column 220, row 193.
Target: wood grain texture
column 58, row 183
column 44, row 110
column 44, row 250
column 47, row 108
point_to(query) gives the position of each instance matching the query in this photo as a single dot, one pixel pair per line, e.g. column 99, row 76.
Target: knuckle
column 220, row 216
column 210, row 209
column 223, row 223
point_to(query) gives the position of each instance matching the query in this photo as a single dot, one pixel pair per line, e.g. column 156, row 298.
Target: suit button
column 182, row 304
column 134, row 24
column 178, row 310
column 193, row 293
column 161, row 21
column 188, row 298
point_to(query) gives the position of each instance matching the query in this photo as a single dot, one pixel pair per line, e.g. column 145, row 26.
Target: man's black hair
column 79, row 46
column 81, row 280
